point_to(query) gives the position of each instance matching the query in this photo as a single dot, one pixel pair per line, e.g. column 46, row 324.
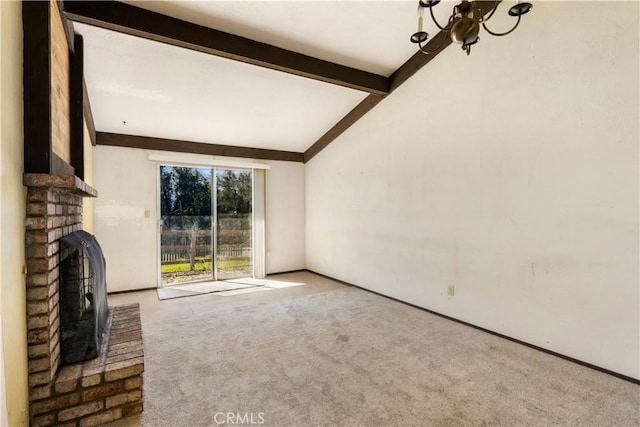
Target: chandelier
column 464, row 23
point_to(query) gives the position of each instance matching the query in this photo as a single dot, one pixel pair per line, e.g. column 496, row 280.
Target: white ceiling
column 371, row 36
column 146, row 88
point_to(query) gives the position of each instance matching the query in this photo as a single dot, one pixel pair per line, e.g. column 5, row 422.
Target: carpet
column 352, row 358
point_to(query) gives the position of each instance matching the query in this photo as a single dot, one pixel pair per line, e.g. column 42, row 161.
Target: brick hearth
column 103, row 389
column 96, row 391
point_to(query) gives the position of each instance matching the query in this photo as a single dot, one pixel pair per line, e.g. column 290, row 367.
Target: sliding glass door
column 197, row 223
column 186, row 244
column 234, row 224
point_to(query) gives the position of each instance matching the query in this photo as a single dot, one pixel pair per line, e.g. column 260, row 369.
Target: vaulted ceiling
column 277, row 76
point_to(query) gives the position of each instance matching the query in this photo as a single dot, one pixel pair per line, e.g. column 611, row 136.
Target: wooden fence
column 178, row 246
column 178, row 254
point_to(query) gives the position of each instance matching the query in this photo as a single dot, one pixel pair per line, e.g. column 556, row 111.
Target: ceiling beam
column 161, row 144
column 437, row 44
column 135, row 21
column 88, row 114
column 345, row 123
column 419, row 59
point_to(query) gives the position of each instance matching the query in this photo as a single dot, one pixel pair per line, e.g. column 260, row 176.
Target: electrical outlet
column 452, row 290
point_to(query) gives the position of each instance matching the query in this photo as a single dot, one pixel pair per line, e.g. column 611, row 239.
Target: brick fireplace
column 92, row 392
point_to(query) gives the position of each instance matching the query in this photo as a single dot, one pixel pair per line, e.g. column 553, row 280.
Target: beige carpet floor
column 351, row 358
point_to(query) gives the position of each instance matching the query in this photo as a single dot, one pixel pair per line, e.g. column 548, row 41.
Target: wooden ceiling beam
column 161, row 144
column 135, row 21
column 437, row 44
column 88, row 114
column 345, row 123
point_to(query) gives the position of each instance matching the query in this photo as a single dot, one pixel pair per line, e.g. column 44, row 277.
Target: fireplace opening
column 84, row 308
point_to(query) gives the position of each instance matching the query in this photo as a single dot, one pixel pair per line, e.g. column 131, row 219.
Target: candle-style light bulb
column 421, row 36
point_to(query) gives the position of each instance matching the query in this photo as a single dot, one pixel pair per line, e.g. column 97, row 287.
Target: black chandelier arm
column 486, row 18
column 501, row 34
column 436, row 22
column 426, row 52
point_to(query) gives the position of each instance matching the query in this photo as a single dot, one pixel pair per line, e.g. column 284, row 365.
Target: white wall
column 126, row 182
column 285, row 217
column 127, row 185
column 511, row 174
column 13, row 356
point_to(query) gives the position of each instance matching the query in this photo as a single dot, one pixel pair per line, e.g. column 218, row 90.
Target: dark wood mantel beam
column 36, row 24
column 135, row 21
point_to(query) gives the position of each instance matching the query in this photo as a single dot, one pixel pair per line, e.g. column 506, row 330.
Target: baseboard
column 287, row 272
column 506, row 337
column 339, row 281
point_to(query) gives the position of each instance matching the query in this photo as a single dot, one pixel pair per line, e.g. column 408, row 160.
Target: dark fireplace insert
column 84, row 308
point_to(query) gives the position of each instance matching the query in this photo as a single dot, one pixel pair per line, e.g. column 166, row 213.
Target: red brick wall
column 51, row 214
